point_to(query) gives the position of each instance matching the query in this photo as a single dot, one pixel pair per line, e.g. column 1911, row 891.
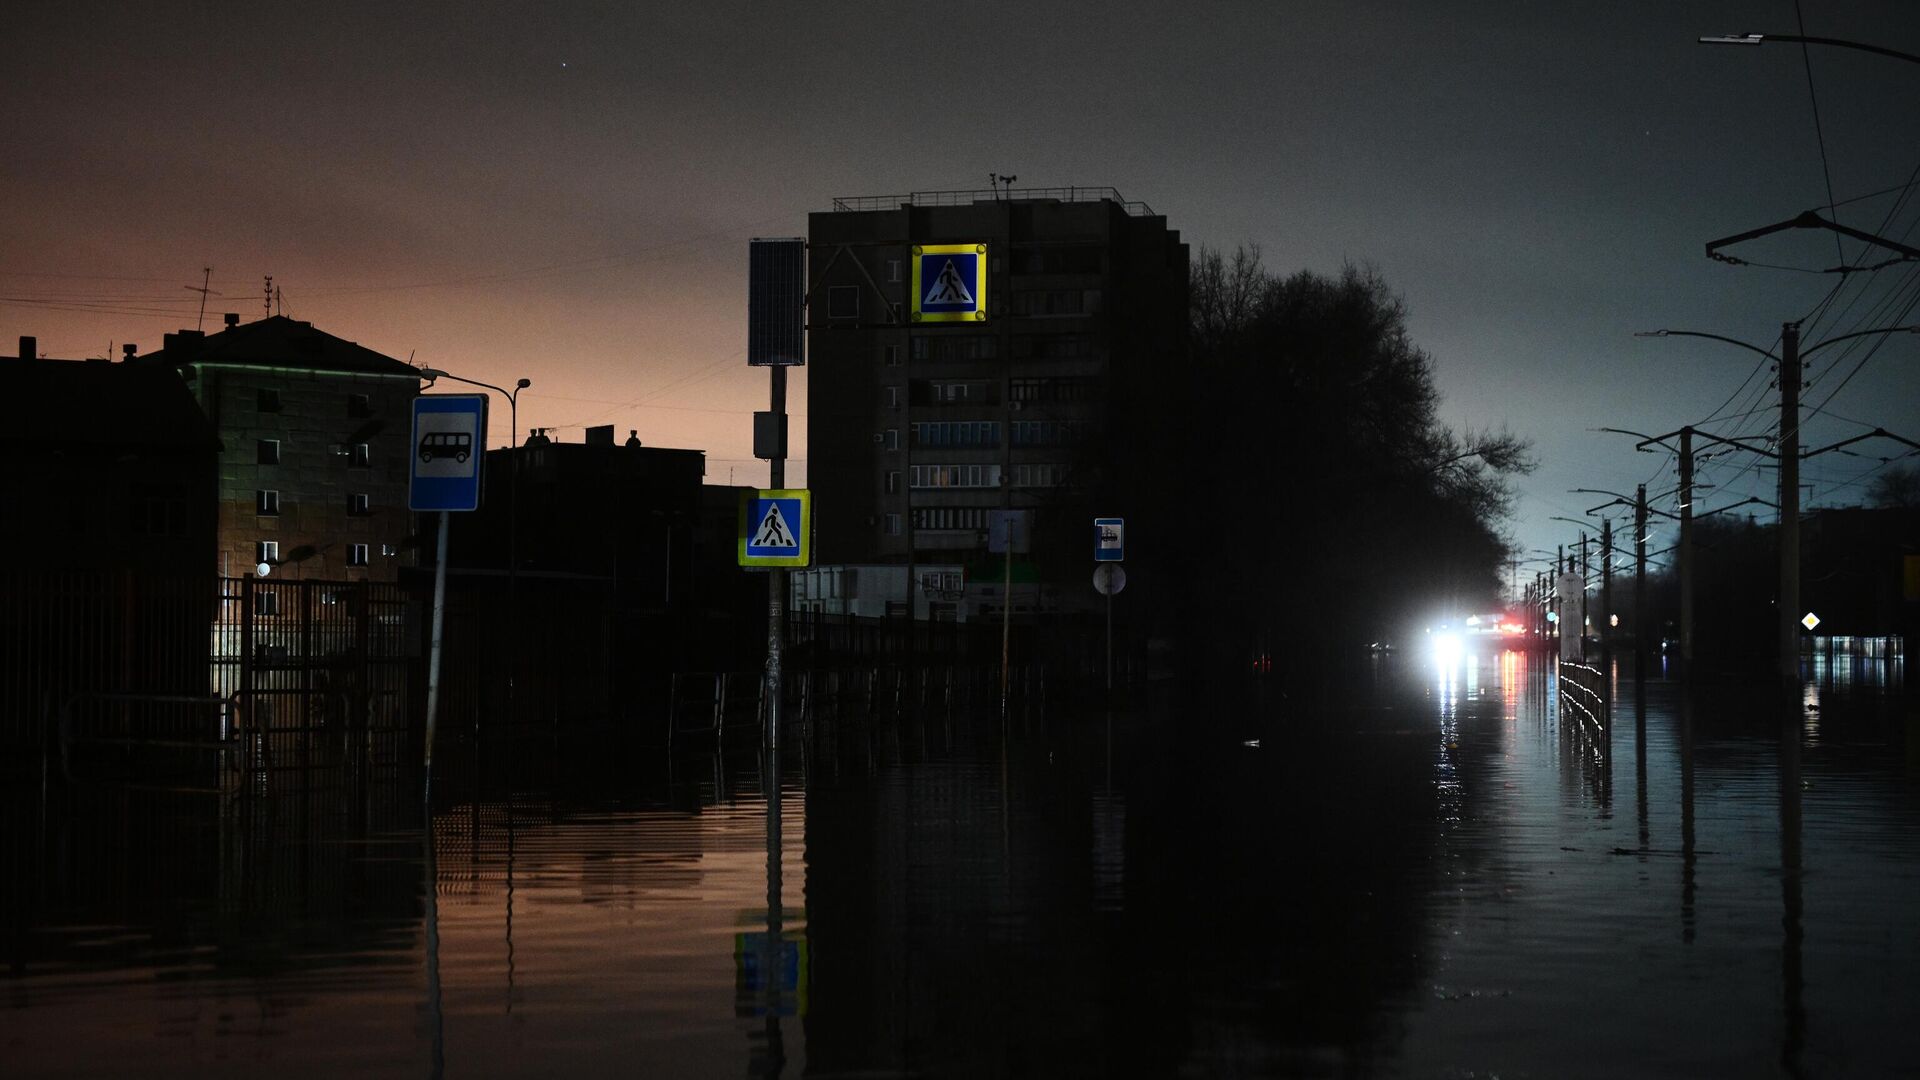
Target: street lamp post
column 513, row 486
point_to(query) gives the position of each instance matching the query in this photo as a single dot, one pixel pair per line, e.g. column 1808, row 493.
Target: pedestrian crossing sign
column 950, row 283
column 776, row 527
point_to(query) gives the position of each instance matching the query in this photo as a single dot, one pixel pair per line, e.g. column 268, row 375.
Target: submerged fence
column 203, row 683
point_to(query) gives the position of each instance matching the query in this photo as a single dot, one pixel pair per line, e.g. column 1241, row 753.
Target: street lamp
column 513, row 483
column 1762, row 39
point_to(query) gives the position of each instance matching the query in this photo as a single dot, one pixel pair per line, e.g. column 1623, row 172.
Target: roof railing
column 971, row 196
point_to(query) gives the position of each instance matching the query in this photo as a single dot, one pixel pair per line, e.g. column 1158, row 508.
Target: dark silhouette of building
column 313, row 477
column 110, row 466
column 621, row 575
column 107, row 539
column 918, row 431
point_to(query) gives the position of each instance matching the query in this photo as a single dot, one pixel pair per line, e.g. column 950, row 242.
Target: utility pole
column 1640, row 620
column 1789, row 613
column 1686, row 550
column 1606, row 586
column 777, row 583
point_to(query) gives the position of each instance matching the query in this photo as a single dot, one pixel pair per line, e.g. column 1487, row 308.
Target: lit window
column 266, row 502
column 267, row 452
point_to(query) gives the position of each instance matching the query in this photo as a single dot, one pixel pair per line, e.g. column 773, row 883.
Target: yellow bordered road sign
column 949, row 283
column 776, row 527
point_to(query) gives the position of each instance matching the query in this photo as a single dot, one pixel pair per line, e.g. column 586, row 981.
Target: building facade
column 316, row 432
column 920, row 427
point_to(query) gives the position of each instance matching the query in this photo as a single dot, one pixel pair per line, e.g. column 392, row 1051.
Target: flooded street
column 1440, row 876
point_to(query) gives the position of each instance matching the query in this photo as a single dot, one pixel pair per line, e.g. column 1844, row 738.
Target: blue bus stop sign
column 449, row 442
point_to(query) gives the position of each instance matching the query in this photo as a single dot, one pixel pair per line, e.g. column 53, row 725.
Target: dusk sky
column 565, row 192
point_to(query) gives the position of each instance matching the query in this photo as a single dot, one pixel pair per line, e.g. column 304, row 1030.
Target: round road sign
column 1109, row 579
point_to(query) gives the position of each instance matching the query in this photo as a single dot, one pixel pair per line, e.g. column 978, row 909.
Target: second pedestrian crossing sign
column 776, row 527
column 950, row 283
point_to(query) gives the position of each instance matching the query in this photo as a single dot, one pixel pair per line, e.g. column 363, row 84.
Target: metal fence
column 202, row 683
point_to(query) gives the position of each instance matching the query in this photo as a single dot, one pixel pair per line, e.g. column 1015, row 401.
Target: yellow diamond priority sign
column 1810, row 621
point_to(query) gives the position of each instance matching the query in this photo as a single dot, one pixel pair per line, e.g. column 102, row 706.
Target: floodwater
column 1441, row 876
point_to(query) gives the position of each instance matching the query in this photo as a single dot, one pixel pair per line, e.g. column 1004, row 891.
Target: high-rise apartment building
column 942, row 387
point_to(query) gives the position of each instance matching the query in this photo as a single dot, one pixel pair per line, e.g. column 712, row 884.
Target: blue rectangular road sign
column 1109, row 539
column 449, row 442
column 776, row 528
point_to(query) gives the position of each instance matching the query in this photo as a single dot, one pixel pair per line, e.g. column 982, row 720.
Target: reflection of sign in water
column 449, row 432
column 774, row 528
column 784, row 980
column 950, row 283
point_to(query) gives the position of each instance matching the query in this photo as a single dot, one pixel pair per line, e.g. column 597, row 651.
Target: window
column 893, row 524
column 951, row 517
column 893, row 355
column 267, row 452
column 893, row 397
column 357, row 555
column 955, row 476
column 893, row 481
column 1045, row 432
column 358, row 504
column 389, row 550
column 893, row 271
column 362, row 454
column 266, row 602
column 919, row 346
column 359, row 405
column 267, row 400
column 843, row 301
column 975, row 433
column 1040, row 475
column 267, row 551
column 893, row 439
column 266, row 502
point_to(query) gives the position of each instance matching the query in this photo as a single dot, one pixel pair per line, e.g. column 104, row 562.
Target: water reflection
column 1424, row 879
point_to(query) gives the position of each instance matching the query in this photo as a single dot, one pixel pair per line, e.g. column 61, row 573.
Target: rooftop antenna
column 266, row 304
column 206, row 275
column 279, row 301
column 1003, row 185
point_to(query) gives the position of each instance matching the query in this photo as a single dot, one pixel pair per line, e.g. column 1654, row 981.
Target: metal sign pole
column 433, row 655
column 1109, row 646
column 777, row 579
column 1006, row 620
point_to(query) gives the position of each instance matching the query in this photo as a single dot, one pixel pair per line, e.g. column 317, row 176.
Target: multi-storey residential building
column 315, row 429
column 919, row 429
